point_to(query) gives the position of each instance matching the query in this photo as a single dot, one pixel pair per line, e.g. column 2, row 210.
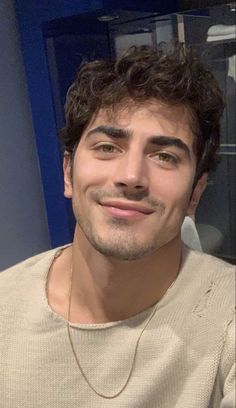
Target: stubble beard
column 121, row 244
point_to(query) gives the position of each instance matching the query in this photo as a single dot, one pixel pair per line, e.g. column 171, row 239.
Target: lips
column 126, row 209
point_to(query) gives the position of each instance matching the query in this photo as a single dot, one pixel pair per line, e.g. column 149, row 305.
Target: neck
column 105, row 289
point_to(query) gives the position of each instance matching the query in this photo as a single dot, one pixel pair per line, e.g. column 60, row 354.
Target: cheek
column 88, row 174
column 173, row 189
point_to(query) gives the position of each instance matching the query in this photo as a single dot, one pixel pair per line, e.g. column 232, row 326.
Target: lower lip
column 121, row 213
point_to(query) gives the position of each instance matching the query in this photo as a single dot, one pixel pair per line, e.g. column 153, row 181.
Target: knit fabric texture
column 185, row 358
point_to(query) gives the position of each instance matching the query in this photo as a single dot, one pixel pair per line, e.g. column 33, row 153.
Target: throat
column 128, row 298
column 99, row 292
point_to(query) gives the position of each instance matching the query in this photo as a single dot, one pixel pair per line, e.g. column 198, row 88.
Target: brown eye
column 106, row 148
column 166, row 158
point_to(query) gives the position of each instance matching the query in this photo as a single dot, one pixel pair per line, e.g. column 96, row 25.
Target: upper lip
column 127, row 205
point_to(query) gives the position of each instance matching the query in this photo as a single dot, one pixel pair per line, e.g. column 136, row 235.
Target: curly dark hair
column 174, row 75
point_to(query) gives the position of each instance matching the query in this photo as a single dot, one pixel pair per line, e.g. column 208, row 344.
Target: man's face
column 133, row 173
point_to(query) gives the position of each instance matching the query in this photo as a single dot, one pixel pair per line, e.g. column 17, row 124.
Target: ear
column 67, row 169
column 196, row 195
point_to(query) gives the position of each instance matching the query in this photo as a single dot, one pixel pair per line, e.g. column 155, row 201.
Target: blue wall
column 31, row 16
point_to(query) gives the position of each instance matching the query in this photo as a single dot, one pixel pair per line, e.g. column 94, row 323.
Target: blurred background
column 42, row 45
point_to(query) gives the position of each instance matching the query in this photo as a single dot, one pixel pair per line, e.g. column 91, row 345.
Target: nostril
column 136, row 187
column 119, row 184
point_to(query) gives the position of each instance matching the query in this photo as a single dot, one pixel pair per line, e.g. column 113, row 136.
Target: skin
column 133, row 174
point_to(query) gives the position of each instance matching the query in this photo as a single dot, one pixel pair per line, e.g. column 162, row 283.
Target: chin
column 126, row 249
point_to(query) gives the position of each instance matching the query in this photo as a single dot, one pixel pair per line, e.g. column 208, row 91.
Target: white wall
column 23, row 223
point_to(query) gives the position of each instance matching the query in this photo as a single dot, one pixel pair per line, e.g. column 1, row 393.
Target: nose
column 131, row 172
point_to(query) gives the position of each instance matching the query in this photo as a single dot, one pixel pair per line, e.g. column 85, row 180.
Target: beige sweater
column 185, row 356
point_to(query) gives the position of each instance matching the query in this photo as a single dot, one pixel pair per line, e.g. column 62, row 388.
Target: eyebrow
column 111, row 131
column 170, row 141
column 159, row 140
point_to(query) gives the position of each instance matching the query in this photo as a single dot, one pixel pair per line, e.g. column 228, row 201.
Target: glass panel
column 214, row 35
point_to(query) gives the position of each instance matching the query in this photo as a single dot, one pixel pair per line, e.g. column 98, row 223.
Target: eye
column 166, row 159
column 106, row 150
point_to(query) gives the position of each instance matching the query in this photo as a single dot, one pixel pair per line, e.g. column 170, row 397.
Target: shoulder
column 208, row 265
column 212, row 281
column 24, row 273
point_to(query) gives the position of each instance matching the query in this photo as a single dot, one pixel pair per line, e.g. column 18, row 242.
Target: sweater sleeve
column 228, row 369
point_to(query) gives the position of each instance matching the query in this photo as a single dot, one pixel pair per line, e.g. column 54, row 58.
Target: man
column 127, row 316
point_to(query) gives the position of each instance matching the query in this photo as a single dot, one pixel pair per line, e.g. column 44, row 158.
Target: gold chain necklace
column 135, row 350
